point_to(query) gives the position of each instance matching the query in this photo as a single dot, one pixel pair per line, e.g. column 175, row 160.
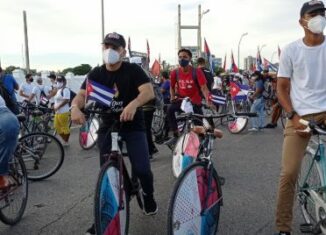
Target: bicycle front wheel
column 13, row 202
column 195, row 202
column 238, row 125
column 111, row 206
column 88, row 133
column 42, row 153
column 310, row 181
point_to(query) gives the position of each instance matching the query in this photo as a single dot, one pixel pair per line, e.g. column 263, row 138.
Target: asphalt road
column 250, row 162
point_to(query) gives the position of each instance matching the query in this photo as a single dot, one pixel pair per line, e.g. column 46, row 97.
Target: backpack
column 194, row 78
column 10, row 102
column 209, row 78
column 72, row 94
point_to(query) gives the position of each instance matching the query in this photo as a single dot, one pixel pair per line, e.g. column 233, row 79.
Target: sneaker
column 254, row 129
column 154, row 151
column 282, row 233
column 150, row 206
column 91, row 230
column 271, row 125
column 65, row 144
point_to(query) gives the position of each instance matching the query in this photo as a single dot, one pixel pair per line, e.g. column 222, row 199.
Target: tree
column 82, row 69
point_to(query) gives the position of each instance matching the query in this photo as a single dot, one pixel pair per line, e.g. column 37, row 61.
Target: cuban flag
column 218, row 98
column 209, row 56
column 259, row 63
column 238, row 91
column 99, row 93
column 270, row 65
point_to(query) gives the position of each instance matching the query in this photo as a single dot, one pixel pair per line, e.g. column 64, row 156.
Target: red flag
column 224, row 65
column 234, row 89
column 279, row 51
column 234, row 67
column 148, row 52
column 156, row 67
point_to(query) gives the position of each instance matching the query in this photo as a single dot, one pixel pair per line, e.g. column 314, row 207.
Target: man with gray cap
column 132, row 89
column 301, row 89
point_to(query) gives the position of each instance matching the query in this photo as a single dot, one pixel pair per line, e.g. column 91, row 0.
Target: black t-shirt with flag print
column 125, row 82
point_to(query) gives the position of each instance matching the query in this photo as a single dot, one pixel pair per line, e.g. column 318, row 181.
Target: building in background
column 249, row 63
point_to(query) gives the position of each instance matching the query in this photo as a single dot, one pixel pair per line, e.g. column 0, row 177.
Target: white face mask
column 59, row 84
column 316, row 24
column 111, row 56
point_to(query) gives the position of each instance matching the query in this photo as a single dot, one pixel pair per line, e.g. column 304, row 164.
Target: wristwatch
column 290, row 115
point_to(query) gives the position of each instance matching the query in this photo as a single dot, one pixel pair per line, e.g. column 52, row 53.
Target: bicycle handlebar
column 313, row 127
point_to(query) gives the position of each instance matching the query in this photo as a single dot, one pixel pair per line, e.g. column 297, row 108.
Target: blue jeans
column 138, row 153
column 9, row 130
column 258, row 107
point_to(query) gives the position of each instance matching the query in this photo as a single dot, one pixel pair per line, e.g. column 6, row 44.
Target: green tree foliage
column 82, row 69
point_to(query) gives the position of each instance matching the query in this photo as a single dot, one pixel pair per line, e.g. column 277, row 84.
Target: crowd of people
column 300, row 87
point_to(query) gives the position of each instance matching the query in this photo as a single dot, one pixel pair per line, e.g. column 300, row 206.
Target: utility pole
column 26, row 42
column 102, row 10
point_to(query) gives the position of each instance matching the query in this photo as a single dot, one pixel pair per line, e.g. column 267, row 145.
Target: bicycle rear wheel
column 42, row 153
column 111, row 213
column 88, row 133
column 314, row 180
column 238, row 125
column 195, row 202
column 13, row 202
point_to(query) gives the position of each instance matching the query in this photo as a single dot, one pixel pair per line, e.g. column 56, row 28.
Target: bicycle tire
column 40, row 149
column 189, row 186
column 107, row 195
column 238, row 125
column 20, row 176
column 94, row 136
column 315, row 179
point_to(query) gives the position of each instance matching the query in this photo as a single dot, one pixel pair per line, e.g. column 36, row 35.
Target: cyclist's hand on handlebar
column 77, row 116
column 299, row 128
column 128, row 112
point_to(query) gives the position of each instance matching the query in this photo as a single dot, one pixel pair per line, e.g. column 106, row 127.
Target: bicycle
column 88, row 132
column 196, row 199
column 114, row 189
column 42, row 153
column 13, row 200
column 311, row 186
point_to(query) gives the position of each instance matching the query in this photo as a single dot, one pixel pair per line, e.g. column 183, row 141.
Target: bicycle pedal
column 306, row 228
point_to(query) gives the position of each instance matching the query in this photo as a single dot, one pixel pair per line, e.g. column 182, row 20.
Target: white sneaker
column 65, row 144
column 253, row 129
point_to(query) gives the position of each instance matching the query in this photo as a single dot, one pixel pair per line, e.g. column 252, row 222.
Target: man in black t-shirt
column 133, row 90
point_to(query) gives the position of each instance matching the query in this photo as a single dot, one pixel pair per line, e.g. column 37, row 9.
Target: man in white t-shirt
column 38, row 91
column 27, row 87
column 301, row 89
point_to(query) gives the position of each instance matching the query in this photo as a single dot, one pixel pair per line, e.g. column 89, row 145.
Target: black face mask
column 184, row 63
column 31, row 80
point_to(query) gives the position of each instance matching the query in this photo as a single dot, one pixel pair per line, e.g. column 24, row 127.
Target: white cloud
column 72, row 28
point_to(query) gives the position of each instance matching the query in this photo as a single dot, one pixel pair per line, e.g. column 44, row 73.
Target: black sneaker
column 271, row 125
column 91, row 230
column 154, row 151
column 150, row 206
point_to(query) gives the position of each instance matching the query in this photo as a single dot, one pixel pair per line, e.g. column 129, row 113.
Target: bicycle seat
column 21, row 117
column 200, row 130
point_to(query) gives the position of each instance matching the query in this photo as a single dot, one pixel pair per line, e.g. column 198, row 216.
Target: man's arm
column 146, row 93
column 205, row 92
column 283, row 93
column 21, row 93
column 78, row 103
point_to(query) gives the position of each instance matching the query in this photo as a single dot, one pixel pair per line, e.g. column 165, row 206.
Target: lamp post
column 244, row 34
column 200, row 16
column 102, row 18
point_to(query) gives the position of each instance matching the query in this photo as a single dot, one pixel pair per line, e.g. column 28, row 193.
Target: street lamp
column 200, row 16
column 244, row 34
column 102, row 18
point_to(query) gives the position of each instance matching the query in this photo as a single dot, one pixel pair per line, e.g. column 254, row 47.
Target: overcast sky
column 66, row 33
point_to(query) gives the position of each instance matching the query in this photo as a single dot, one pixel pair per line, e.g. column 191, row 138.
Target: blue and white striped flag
column 99, row 93
column 218, row 99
